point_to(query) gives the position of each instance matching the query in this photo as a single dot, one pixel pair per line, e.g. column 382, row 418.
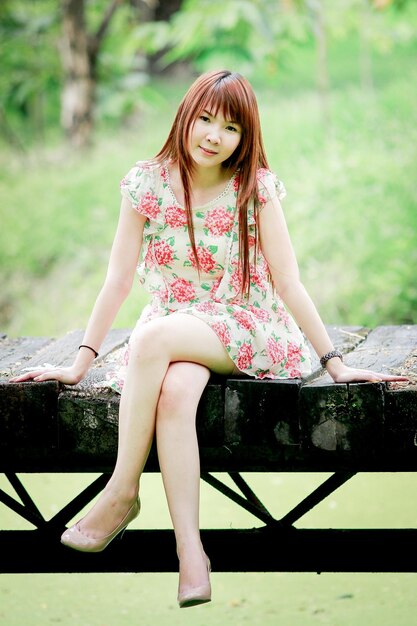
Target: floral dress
column 259, row 335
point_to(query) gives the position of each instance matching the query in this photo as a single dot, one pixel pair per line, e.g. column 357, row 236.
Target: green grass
column 350, row 207
column 367, row 501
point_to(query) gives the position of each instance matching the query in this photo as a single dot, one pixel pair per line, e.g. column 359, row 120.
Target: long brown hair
column 231, row 94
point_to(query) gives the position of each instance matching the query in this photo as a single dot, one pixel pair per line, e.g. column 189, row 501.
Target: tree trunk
column 164, row 10
column 79, row 51
column 78, row 91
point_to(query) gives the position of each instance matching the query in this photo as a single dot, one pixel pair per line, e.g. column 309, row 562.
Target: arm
column 117, row 284
column 279, row 253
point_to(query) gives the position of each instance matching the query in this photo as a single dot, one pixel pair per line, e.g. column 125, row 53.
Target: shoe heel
column 119, row 537
column 198, row 595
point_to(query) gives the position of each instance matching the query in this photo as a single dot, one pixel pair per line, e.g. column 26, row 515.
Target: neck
column 206, row 177
column 206, row 183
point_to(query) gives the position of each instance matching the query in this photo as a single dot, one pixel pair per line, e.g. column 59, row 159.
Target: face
column 213, row 139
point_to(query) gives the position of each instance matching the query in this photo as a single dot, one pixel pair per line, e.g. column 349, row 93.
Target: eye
column 204, row 118
column 232, row 128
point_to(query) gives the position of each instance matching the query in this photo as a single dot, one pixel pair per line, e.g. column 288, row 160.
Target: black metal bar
column 318, row 495
column 22, row 511
column 79, row 502
column 238, row 499
column 247, row 491
column 23, row 494
column 254, row 550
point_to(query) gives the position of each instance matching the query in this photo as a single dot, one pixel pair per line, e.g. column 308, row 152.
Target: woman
column 205, row 220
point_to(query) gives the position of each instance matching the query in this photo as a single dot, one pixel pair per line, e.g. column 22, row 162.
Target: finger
column 389, row 377
column 397, row 377
column 357, row 375
column 54, row 375
column 23, row 377
column 32, row 373
column 35, row 375
column 365, row 376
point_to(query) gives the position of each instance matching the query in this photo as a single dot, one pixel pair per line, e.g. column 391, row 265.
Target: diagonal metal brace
column 26, row 509
column 315, row 497
column 27, row 514
column 250, row 503
column 23, row 494
column 79, row 502
column 247, row 491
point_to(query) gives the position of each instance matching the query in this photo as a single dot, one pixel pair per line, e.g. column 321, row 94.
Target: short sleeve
column 141, row 187
column 269, row 186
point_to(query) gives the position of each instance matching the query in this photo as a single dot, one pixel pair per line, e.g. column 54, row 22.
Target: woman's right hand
column 66, row 375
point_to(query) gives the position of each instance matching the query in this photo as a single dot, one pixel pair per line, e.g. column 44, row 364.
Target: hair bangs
column 228, row 98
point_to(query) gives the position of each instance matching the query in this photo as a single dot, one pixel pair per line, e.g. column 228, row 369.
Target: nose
column 213, row 136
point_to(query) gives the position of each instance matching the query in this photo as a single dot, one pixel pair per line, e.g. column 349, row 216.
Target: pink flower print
column 162, row 296
column 261, row 173
column 146, row 165
column 258, row 277
column 164, row 174
column 275, row 350
column 293, row 355
column 149, row 258
column 236, row 279
column 245, row 356
column 294, row 372
column 282, row 313
column 206, row 307
column 149, row 206
column 251, row 241
column 164, row 253
column 264, row 374
column 244, row 319
column 261, row 314
column 205, row 258
column 218, row 221
column 182, row 290
column 175, row 216
column 215, row 286
column 223, row 332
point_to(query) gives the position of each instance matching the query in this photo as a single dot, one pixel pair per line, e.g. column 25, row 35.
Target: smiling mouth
column 207, row 151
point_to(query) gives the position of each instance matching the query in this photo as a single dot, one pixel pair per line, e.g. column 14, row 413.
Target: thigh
column 183, row 337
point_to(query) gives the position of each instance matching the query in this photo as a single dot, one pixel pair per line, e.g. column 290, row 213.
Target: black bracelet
column 330, row 355
column 90, row 348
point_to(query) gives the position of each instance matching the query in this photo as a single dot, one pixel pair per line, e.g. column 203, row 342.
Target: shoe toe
column 73, row 538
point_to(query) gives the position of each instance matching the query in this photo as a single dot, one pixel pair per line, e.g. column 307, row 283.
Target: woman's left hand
column 344, row 374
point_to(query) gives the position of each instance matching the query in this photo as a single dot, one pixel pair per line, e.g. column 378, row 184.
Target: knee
column 180, row 395
column 149, row 341
column 174, row 396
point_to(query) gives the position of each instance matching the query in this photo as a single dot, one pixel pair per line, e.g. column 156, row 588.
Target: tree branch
column 94, row 41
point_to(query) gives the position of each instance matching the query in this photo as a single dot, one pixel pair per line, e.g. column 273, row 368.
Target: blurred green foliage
column 30, row 76
column 351, row 203
column 261, row 38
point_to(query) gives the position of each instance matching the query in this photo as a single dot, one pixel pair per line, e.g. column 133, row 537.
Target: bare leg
column 180, row 464
column 155, row 345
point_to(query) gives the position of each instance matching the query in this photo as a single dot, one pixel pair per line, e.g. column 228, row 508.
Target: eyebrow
column 227, row 121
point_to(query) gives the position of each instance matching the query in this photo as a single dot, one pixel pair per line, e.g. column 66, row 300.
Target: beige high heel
column 74, row 537
column 196, row 595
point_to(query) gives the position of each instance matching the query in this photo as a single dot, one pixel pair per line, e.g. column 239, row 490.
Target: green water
column 367, row 500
